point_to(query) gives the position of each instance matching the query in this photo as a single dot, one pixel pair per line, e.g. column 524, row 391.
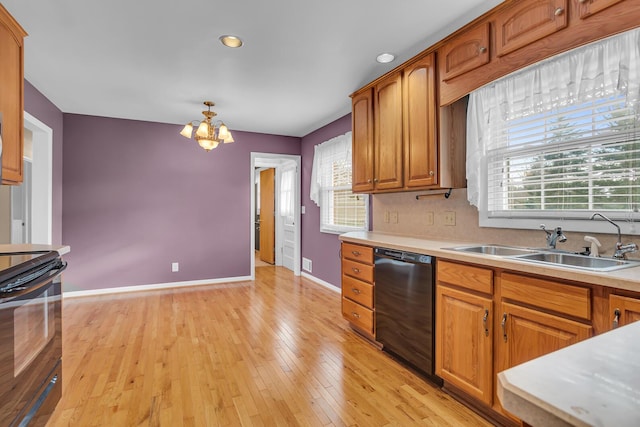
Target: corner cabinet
column 12, row 99
column 357, row 288
column 401, row 140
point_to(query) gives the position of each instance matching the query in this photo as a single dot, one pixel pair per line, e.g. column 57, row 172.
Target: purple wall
column 42, row 109
column 321, row 248
column 138, row 196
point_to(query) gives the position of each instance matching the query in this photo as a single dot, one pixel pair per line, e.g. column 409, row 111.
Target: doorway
column 286, row 209
column 29, row 215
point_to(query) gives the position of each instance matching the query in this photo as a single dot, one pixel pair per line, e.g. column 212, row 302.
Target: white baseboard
column 137, row 288
column 321, row 282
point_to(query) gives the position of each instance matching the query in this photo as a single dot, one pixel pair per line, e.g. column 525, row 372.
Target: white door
column 287, row 211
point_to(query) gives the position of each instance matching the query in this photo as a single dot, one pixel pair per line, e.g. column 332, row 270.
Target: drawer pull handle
column 504, row 326
column 559, row 11
column 616, row 318
column 355, row 291
column 354, row 314
column 484, row 322
column 355, row 253
column 355, row 270
column 482, row 49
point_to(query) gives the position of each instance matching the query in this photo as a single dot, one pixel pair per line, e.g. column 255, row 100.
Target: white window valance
column 607, row 68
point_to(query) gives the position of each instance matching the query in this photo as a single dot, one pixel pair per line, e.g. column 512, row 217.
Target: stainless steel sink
column 498, row 250
column 578, row 261
column 549, row 257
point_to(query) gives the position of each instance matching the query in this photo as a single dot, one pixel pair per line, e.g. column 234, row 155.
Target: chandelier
column 208, row 135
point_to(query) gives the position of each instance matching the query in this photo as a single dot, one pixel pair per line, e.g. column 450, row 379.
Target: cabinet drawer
column 357, row 253
column 358, row 315
column 467, row 276
column 358, row 270
column 358, row 291
column 565, row 299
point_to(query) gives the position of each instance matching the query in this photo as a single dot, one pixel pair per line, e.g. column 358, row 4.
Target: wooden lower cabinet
column 623, row 310
column 464, row 342
column 357, row 288
column 489, row 320
column 527, row 333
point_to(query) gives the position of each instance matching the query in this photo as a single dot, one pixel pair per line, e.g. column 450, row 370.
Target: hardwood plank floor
column 274, row 352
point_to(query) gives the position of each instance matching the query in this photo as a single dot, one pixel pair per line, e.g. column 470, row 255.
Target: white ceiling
column 158, row 60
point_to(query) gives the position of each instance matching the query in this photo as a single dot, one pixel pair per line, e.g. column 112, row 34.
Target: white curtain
column 605, row 68
column 335, row 149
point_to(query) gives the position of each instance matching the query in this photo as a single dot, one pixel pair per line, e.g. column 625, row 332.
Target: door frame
column 276, row 161
column 41, row 180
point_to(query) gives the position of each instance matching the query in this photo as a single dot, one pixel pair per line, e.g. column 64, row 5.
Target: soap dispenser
column 595, row 244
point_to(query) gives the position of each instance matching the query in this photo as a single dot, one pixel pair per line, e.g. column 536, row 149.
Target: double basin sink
column 550, row 257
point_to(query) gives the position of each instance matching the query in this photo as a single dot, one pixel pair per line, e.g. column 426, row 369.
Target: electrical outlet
column 429, row 218
column 386, row 216
column 449, row 218
column 306, row 264
column 175, row 266
column 393, row 217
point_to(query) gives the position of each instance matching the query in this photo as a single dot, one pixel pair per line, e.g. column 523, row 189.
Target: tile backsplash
column 426, row 218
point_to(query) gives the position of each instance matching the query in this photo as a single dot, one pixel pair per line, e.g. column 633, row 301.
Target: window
column 340, row 209
column 560, row 139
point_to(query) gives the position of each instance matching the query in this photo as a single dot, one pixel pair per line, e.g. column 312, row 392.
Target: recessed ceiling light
column 230, row 41
column 383, row 58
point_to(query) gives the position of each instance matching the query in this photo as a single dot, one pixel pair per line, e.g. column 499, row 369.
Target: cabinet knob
column 375, row 179
column 616, row 318
column 355, row 270
column 583, row 1
column 368, row 181
column 482, row 49
column 559, row 11
column 431, row 173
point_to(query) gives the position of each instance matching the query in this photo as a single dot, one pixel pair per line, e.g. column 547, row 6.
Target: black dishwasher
column 405, row 311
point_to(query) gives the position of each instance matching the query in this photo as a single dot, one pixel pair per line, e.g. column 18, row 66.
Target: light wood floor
column 266, row 353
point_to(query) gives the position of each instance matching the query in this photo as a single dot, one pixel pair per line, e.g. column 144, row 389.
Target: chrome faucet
column 621, row 250
column 554, row 236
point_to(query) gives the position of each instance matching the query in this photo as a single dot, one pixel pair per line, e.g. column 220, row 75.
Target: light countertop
column 61, row 249
column 626, row 278
column 595, row 382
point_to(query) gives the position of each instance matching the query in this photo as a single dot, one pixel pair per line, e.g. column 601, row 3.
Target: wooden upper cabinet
column 623, row 310
column 362, row 137
column 12, row 98
column 587, row 8
column 528, row 21
column 387, row 109
column 465, row 52
column 420, row 126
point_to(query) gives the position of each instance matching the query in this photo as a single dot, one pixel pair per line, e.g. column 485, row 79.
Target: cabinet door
column 388, row 133
column 420, row 138
column 527, row 22
column 527, row 334
column 464, row 53
column 623, row 310
column 362, row 136
column 464, row 343
column 587, row 8
column 11, row 101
